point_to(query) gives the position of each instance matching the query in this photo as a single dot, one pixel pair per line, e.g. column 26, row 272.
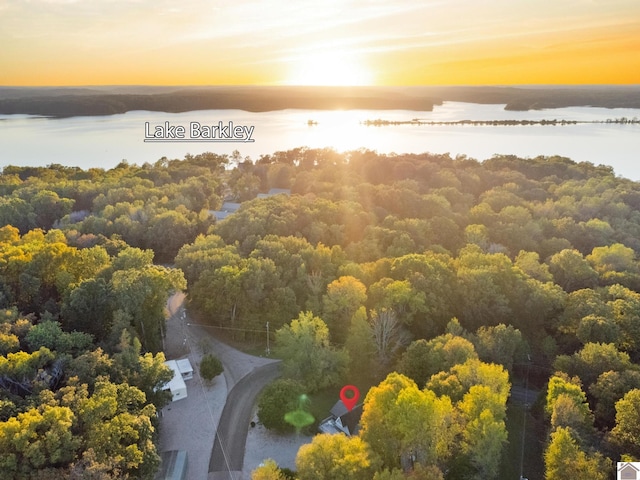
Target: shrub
column 210, row 367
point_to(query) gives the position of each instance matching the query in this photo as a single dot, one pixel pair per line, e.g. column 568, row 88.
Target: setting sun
column 330, row 43
column 329, row 70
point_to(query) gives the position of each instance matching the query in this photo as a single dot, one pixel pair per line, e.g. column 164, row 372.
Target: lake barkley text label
column 197, row 132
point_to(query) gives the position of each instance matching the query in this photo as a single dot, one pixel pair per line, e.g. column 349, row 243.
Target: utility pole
column 268, row 349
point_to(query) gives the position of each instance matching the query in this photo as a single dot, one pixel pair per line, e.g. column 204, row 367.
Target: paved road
column 523, row 396
column 227, row 456
column 244, row 377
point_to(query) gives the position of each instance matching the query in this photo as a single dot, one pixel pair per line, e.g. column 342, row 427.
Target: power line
column 217, row 434
column 226, row 328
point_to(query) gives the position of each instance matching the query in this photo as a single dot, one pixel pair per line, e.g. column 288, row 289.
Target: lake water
column 105, row 141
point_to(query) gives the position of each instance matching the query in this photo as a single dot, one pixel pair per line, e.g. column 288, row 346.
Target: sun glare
column 329, row 70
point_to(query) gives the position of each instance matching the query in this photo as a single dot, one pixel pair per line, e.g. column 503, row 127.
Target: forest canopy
column 435, row 267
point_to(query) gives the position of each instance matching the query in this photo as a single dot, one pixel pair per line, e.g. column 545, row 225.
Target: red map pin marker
column 349, row 402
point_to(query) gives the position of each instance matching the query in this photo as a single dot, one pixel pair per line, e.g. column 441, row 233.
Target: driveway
column 210, row 410
column 227, row 457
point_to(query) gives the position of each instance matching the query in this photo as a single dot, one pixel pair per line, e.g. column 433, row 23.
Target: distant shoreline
column 62, row 102
column 499, row 123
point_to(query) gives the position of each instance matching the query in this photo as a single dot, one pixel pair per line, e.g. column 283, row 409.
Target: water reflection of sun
column 325, row 69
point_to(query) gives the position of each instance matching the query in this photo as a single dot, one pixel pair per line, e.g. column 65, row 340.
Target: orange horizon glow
column 330, row 43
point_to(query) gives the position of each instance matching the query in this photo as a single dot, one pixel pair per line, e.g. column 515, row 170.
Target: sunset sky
column 338, row 42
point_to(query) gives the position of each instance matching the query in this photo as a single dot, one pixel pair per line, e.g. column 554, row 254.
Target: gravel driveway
column 191, row 424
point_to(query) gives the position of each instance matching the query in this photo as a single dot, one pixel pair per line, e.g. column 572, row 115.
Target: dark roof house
column 341, row 420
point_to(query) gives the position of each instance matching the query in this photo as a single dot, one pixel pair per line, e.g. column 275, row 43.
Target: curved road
column 245, row 376
column 227, row 456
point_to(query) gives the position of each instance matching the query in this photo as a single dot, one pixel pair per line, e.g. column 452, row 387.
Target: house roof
column 184, row 365
column 338, row 409
column 176, row 384
column 350, row 419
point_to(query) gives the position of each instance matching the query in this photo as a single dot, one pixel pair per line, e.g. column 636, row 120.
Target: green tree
column 146, row 372
column 36, row 439
column 613, row 258
column 610, row 387
column 571, row 271
column 210, row 367
column 343, row 298
column 268, row 470
column 307, row 355
column 337, row 457
column 501, row 344
column 459, row 379
column 626, row 433
column 564, row 458
column 593, row 360
column 142, row 294
column 484, row 438
column 360, row 345
column 625, row 308
column 386, row 474
column 49, row 207
column 116, row 425
column 49, row 334
column 89, row 308
column 399, row 296
column 423, row 358
column 529, row 263
column 399, row 421
column 278, row 398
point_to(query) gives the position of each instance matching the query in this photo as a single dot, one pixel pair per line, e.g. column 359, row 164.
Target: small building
column 173, row 465
column 342, row 420
column 227, row 209
column 176, row 385
column 185, row 368
column 275, row 191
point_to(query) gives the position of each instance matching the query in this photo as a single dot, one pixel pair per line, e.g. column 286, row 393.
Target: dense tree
column 142, row 295
column 564, row 458
column 399, row 420
column 343, row 298
column 593, row 360
column 423, row 359
column 501, row 344
column 610, row 387
column 626, row 433
column 459, row 379
column 551, row 254
column 361, row 345
column 276, row 400
column 567, row 406
column 37, row 439
column 308, row 356
column 335, row 456
column 49, row 334
column 267, row 470
column 210, row 367
column 571, row 271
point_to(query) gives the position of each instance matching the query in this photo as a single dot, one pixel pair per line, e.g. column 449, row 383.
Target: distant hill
column 75, row 101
